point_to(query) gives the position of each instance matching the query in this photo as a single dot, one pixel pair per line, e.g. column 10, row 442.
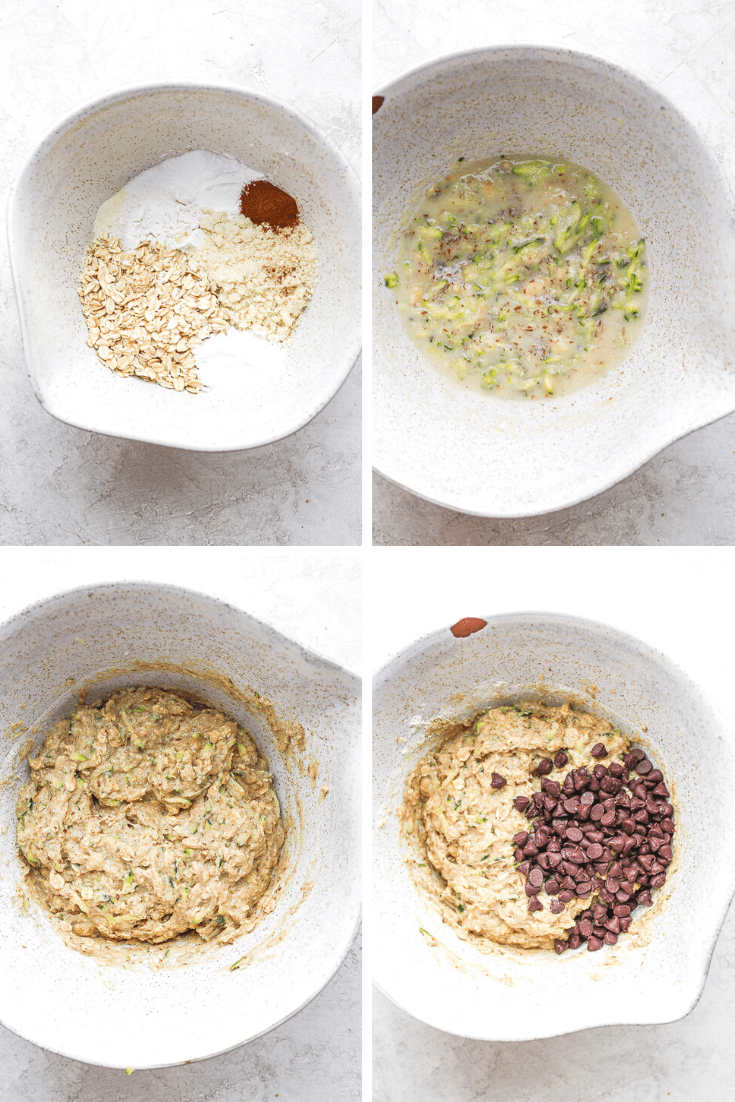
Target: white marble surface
column 672, row 599
column 61, row 485
column 316, row 600
column 683, row 495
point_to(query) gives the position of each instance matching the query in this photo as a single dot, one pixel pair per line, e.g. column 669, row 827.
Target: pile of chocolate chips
column 610, row 831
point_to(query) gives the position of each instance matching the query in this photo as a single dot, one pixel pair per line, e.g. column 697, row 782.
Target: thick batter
column 148, row 815
column 464, row 825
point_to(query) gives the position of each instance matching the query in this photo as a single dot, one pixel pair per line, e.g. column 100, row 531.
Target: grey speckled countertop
column 316, row 1055
column 62, row 485
column 684, row 495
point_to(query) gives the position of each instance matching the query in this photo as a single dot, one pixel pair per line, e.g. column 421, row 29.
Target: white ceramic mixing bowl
column 481, row 454
column 515, row 995
column 147, row 1014
column 85, row 160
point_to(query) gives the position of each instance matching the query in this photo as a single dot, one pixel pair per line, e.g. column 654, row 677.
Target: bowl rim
column 653, row 447
column 394, row 667
column 13, row 622
column 351, row 347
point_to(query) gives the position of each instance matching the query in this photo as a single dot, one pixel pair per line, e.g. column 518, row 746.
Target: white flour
column 165, row 202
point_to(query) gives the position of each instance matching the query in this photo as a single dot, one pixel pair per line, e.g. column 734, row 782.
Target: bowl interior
column 144, row 1012
column 542, row 455
column 657, row 971
column 86, row 160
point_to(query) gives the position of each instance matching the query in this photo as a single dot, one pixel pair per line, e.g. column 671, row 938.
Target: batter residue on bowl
column 524, row 276
column 147, row 815
column 596, row 850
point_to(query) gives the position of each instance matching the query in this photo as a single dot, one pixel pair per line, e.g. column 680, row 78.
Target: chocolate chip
column 599, row 750
column 575, row 940
column 496, row 781
column 600, row 771
column 595, row 851
column 586, row 927
column 529, row 888
column 525, row 868
column 584, row 890
column 518, row 854
column 594, row 944
column 665, row 853
column 654, row 776
column 556, row 907
column 574, row 834
column 560, row 759
column 552, row 886
column 616, row 769
column 536, row 877
column 658, row 881
column 566, row 896
column 544, row 766
column 559, row 945
column 535, row 904
column 610, row 939
column 661, row 790
column 644, row 766
column 520, row 803
column 554, row 789
column 645, row 899
column 625, row 924
column 586, row 798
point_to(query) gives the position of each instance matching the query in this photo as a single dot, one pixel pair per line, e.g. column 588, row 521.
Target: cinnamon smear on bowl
column 264, row 203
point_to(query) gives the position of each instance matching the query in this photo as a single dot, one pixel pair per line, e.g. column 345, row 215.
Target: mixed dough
column 150, row 814
column 463, row 823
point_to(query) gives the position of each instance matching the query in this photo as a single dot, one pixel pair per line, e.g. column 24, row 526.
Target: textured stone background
column 684, row 495
column 62, row 485
column 314, row 1057
column 673, row 599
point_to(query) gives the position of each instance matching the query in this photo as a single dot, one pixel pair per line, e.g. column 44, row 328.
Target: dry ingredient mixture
column 524, row 277
column 541, row 828
column 165, row 271
column 148, row 815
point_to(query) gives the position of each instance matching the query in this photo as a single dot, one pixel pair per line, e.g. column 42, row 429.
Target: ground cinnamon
column 265, row 204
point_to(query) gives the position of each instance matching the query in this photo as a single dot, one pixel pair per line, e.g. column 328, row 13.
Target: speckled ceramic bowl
column 85, row 160
column 656, row 972
column 148, row 1014
column 481, row 454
